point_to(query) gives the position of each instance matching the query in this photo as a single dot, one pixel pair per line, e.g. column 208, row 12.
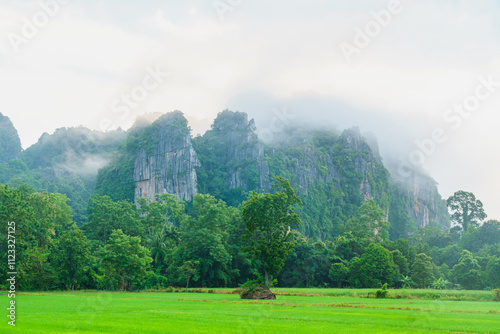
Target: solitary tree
column 268, row 219
column 465, row 210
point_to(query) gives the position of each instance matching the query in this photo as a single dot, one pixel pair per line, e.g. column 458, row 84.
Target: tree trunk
column 187, row 283
column 267, row 278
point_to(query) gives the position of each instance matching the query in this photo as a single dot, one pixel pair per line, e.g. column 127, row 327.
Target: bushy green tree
column 486, row 234
column 268, row 219
column 350, row 247
column 401, row 263
column 467, row 272
column 167, row 210
column 301, row 263
column 465, row 210
column 422, row 270
column 189, row 270
column 107, row 215
column 40, row 218
column 71, row 256
column 370, row 222
column 376, row 266
column 493, row 272
column 124, row 261
column 339, row 273
column 204, row 238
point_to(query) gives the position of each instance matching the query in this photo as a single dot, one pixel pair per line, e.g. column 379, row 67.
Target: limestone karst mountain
column 333, row 172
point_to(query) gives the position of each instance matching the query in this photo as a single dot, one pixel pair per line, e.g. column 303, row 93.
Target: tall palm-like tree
column 158, row 243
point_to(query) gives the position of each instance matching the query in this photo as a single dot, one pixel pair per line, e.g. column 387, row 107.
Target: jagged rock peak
column 168, row 163
column 352, row 138
column 228, row 120
column 10, row 144
column 238, row 148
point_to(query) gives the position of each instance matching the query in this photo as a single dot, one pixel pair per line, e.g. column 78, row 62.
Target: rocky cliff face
column 239, row 149
column 299, row 160
column 419, row 192
column 10, row 144
column 332, row 173
column 366, row 162
column 168, row 164
column 423, row 201
column 232, row 158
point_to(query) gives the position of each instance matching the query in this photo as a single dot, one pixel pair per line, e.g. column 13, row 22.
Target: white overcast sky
column 266, row 55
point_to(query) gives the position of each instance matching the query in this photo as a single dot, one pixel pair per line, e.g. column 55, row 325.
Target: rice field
column 294, row 311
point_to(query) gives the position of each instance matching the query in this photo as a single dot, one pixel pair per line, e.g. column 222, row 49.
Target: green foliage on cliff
column 326, row 173
column 227, row 153
column 402, row 226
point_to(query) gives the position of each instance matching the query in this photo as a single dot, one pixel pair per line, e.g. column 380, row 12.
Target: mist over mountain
column 333, row 170
column 66, row 162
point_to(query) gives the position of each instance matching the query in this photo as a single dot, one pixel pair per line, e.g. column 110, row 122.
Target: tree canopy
column 466, row 211
column 268, row 219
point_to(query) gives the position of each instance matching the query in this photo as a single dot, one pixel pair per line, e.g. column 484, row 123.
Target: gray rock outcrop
column 168, row 163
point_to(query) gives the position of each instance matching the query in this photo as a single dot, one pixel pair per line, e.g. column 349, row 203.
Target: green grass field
column 159, row 312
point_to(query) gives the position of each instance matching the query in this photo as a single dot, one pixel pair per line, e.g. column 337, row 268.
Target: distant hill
column 10, row 144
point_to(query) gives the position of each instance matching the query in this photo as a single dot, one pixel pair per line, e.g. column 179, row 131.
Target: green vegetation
column 208, row 243
column 65, row 162
column 222, row 313
column 354, row 231
column 466, row 211
column 221, row 159
column 268, row 219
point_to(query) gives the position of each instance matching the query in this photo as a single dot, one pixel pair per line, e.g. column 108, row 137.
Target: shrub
column 249, row 286
column 382, row 293
column 497, row 295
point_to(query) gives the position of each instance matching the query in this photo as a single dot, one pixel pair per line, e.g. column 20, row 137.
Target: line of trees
column 168, row 242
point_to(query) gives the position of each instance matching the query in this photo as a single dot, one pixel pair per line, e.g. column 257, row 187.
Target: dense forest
column 86, row 217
